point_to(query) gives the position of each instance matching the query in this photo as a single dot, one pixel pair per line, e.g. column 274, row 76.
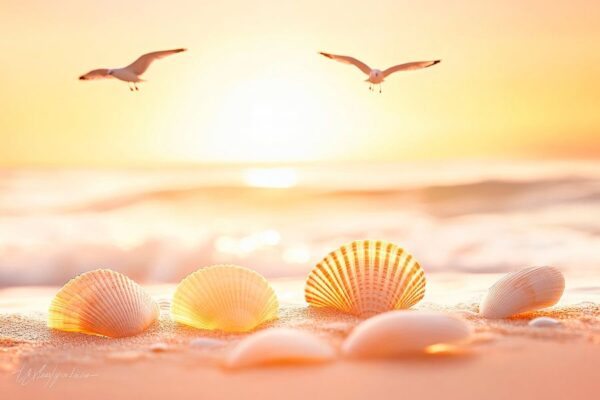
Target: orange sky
column 518, row 79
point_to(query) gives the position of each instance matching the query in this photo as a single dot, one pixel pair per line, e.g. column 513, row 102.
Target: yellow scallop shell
column 102, row 302
column 366, row 277
column 224, row 297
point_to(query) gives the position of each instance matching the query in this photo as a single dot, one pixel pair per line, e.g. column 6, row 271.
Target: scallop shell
column 102, row 302
column 527, row 290
column 279, row 346
column 366, row 277
column 397, row 333
column 224, row 297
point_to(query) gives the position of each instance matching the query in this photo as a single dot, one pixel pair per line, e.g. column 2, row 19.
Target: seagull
column 131, row 73
column 376, row 76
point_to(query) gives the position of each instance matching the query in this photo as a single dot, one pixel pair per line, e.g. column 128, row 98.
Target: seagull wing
column 349, row 60
column 409, row 66
column 140, row 65
column 95, row 74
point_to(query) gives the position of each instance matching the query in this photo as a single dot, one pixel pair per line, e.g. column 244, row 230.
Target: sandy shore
column 505, row 359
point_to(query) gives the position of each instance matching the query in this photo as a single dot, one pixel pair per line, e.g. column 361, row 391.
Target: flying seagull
column 376, row 76
column 131, row 73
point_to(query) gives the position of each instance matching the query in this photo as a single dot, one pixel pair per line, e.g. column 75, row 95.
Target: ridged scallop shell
column 279, row 346
column 527, row 290
column 397, row 333
column 224, row 297
column 102, row 302
column 366, row 277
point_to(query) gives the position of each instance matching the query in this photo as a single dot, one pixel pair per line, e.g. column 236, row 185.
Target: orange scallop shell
column 366, row 277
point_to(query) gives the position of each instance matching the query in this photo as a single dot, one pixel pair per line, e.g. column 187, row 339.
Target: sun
column 266, row 119
column 270, row 120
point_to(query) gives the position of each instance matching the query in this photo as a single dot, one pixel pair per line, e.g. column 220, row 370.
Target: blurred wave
column 158, row 225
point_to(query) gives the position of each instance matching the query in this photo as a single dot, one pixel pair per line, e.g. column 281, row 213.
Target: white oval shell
column 224, row 297
column 366, row 277
column 397, row 333
column 544, row 322
column 527, row 290
column 279, row 346
column 102, row 302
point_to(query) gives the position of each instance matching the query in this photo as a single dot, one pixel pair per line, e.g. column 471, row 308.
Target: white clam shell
column 102, row 302
column 527, row 290
column 279, row 346
column 544, row 322
column 398, row 333
column 366, row 277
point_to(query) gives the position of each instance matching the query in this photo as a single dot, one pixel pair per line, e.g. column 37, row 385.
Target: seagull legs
column 135, row 86
column 130, row 88
column 372, row 87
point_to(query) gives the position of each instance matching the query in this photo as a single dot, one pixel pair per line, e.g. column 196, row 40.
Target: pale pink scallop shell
column 102, row 302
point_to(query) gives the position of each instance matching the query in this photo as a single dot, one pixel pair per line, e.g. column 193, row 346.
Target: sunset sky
column 517, row 80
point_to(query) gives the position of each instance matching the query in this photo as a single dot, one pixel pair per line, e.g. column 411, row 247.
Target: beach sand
column 505, row 358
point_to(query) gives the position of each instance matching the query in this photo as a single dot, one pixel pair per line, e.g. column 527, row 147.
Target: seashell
column 544, row 322
column 164, row 305
column 102, row 302
column 366, row 277
column 224, row 297
column 279, row 346
column 397, row 333
column 527, row 290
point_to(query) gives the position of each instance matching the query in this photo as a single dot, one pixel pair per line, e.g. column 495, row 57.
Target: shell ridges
column 102, row 302
column 224, row 297
column 529, row 289
column 366, row 277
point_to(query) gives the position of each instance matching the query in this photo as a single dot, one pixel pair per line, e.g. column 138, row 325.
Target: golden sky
column 517, row 79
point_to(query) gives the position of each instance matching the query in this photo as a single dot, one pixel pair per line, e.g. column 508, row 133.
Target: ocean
column 158, row 224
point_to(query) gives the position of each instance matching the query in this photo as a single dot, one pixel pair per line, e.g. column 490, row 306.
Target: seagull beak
column 82, row 78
